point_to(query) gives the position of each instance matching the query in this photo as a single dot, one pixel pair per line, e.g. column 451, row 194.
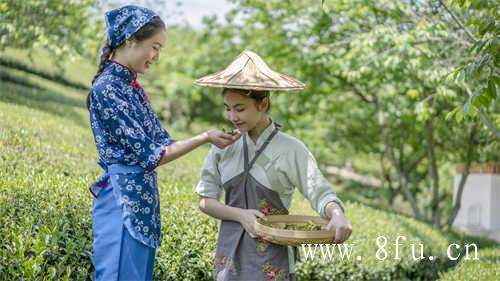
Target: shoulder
column 107, row 88
column 291, row 143
column 108, row 81
column 292, row 150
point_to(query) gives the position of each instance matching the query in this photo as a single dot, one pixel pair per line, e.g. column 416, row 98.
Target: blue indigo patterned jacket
column 130, row 142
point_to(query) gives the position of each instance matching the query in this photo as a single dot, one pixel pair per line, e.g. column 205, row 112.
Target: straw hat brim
column 249, row 72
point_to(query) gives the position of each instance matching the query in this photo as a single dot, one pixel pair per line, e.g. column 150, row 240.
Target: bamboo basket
column 268, row 228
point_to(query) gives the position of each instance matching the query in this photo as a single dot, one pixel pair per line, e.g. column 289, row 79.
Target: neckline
column 129, row 74
column 263, row 136
column 261, row 148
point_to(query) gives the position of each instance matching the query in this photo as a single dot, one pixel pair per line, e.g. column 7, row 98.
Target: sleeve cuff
column 170, row 141
column 202, row 190
column 334, row 200
column 159, row 160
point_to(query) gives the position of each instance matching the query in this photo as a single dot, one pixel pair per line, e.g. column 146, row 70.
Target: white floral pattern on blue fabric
column 123, row 22
column 128, row 132
column 138, row 193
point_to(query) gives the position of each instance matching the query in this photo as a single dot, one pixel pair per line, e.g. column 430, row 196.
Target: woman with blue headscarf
column 131, row 144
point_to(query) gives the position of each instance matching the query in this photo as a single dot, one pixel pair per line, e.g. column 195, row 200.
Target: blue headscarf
column 123, row 22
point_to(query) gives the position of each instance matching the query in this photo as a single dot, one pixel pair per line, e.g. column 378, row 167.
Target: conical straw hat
column 249, row 72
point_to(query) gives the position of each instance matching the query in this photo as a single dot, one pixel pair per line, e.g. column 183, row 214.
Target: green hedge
column 487, row 268
column 45, row 206
column 58, row 78
column 48, row 159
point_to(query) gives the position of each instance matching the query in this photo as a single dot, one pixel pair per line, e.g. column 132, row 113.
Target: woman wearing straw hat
column 131, row 143
column 258, row 174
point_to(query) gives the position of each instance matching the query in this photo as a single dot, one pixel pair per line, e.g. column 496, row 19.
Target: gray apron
column 238, row 255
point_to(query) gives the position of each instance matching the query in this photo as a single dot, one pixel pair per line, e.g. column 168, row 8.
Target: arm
column 179, row 148
column 126, row 129
column 215, row 209
column 305, row 174
column 338, row 222
column 210, row 190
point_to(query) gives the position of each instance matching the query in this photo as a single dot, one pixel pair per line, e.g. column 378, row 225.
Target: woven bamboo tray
column 270, row 229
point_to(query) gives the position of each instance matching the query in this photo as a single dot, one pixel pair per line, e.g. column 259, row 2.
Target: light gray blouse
column 284, row 165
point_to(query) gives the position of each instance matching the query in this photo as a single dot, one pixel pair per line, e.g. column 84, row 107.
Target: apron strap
column 248, row 166
column 245, row 153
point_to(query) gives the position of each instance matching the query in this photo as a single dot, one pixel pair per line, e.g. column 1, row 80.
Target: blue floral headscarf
column 123, row 22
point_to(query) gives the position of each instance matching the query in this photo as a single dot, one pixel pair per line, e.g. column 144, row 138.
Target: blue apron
column 119, row 253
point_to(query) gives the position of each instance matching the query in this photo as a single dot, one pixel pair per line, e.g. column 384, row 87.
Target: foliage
column 375, row 82
column 384, row 80
column 50, row 160
column 59, row 78
column 480, row 70
column 487, row 268
column 65, row 28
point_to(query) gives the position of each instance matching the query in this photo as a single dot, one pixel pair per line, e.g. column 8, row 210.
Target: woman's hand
column 247, row 217
column 221, row 139
column 338, row 222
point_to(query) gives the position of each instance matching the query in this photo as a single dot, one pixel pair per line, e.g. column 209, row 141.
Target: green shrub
column 487, row 268
column 56, row 77
column 48, row 159
column 45, row 206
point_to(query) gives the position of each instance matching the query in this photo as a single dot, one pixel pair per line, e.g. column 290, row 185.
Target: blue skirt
column 117, row 256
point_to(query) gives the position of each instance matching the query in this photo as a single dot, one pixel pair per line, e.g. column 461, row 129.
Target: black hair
column 258, row 96
column 145, row 32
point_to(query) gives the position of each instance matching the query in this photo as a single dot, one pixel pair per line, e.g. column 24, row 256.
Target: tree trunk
column 433, row 173
column 402, row 176
column 393, row 192
column 463, row 179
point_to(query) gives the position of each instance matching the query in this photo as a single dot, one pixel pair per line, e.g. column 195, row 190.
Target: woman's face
column 144, row 53
column 243, row 111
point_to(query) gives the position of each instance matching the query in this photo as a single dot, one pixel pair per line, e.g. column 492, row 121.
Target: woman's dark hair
column 145, row 32
column 258, row 96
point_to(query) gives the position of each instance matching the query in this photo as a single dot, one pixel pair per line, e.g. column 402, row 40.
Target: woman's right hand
column 221, row 139
column 247, row 217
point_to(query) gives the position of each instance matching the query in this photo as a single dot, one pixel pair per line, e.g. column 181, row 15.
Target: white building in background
column 480, row 207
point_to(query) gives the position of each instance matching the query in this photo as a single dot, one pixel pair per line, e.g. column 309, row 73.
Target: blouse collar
column 122, row 71
column 265, row 134
column 127, row 74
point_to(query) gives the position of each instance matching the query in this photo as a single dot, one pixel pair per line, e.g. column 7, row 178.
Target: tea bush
column 48, row 159
column 486, row 269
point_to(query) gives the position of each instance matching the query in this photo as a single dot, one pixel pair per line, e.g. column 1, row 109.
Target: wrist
column 333, row 209
column 238, row 215
column 205, row 137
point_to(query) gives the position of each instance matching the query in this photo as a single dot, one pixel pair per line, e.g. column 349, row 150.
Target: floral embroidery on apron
column 240, row 256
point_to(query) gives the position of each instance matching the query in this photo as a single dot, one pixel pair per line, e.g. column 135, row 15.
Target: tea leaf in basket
column 309, row 226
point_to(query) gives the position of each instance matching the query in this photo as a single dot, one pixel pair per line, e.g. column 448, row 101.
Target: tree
column 65, row 28
column 374, row 74
column 480, row 71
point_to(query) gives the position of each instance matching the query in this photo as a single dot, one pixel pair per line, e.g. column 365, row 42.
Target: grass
column 48, row 159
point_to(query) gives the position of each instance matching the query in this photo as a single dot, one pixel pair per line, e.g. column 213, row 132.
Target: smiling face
column 141, row 54
column 243, row 111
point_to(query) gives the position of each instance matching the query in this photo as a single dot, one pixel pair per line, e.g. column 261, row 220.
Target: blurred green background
column 397, row 91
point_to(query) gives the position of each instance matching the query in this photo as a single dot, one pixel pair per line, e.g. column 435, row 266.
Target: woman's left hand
column 338, row 222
